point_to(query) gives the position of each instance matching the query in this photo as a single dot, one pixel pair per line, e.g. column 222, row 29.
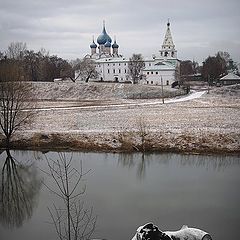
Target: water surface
column 128, row 190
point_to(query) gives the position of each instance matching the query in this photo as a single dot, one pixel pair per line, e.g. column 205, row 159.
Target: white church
column 161, row 68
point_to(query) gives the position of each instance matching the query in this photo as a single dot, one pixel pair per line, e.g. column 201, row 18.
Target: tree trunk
column 7, row 142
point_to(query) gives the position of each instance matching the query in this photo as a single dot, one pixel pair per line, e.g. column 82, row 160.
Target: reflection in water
column 126, row 160
column 169, row 192
column 142, row 161
column 141, row 170
column 72, row 220
column 218, row 163
column 129, row 160
column 19, row 189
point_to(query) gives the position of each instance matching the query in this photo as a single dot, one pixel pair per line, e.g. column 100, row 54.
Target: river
column 124, row 191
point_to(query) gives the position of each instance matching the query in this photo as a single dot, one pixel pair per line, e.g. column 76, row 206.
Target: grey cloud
column 66, row 27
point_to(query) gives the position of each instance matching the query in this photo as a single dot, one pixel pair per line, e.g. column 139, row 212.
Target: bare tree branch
column 73, row 222
column 16, row 100
column 135, row 65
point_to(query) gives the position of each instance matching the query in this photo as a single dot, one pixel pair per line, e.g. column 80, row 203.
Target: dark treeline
column 20, row 63
column 212, row 68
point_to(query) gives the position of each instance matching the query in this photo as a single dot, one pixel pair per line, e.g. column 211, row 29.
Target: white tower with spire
column 168, row 48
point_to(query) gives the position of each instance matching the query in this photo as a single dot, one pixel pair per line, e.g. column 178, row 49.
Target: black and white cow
column 151, row 232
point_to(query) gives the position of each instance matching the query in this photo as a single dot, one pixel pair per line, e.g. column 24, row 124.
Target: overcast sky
column 65, row 27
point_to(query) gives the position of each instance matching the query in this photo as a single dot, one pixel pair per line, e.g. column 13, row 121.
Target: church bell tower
column 168, row 47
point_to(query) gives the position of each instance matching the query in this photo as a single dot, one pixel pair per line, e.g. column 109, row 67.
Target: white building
column 113, row 67
column 230, row 79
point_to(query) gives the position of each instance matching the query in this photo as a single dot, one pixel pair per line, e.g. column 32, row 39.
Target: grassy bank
column 130, row 142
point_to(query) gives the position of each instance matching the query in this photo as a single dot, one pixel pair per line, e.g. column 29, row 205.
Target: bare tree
column 73, row 221
column 213, row 68
column 85, row 69
column 142, row 132
column 16, row 50
column 2, row 55
column 186, row 67
column 37, row 66
column 135, row 66
column 15, row 99
column 231, row 65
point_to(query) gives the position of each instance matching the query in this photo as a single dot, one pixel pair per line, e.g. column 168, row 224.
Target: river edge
column 129, row 142
column 206, row 124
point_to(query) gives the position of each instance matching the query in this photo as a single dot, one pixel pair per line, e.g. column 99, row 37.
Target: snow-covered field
column 200, row 122
column 100, row 91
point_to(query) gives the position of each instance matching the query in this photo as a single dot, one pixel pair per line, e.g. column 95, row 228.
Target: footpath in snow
column 191, row 96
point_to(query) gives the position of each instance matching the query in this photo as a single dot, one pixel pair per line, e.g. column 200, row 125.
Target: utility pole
column 208, row 85
column 162, row 90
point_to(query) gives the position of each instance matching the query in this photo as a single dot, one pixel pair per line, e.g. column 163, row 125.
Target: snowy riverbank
column 198, row 123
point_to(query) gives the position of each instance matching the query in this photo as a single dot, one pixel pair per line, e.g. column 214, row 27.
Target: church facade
column 161, row 68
